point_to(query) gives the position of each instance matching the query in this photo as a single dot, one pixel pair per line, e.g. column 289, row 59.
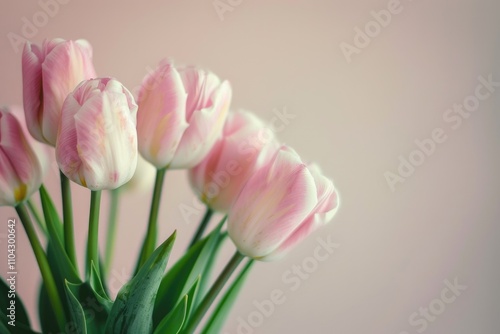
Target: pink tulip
column 20, row 169
column 181, row 115
column 245, row 146
column 279, row 206
column 50, row 73
column 97, row 142
column 43, row 152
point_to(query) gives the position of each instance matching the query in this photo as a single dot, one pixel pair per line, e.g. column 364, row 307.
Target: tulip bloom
column 97, row 141
column 245, row 146
column 280, row 205
column 20, row 168
column 181, row 115
column 50, row 73
column 42, row 151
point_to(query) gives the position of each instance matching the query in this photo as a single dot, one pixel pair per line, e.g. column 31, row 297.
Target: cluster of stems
column 28, row 210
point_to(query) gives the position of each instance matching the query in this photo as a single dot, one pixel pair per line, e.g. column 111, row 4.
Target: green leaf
column 132, row 311
column 61, row 266
column 192, row 297
column 97, row 285
column 22, row 323
column 181, row 277
column 89, row 305
column 77, row 315
column 3, row 329
column 172, row 323
column 50, row 211
column 207, row 273
column 219, row 315
column 103, row 277
column 21, row 314
column 57, row 254
column 48, row 319
column 62, row 273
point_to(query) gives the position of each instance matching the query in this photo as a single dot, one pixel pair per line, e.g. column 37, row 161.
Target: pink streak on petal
column 32, row 89
column 62, row 70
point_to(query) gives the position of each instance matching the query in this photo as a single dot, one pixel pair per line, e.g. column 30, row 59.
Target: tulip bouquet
column 104, row 137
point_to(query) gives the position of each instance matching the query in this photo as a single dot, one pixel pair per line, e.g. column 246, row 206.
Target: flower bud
column 279, row 206
column 44, row 152
column 97, row 142
column 20, row 168
column 50, row 73
column 181, row 115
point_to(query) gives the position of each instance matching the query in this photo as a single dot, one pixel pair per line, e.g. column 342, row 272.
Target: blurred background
column 361, row 82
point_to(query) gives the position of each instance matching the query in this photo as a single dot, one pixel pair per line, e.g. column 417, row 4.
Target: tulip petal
column 66, row 148
column 97, row 141
column 273, row 203
column 245, row 146
column 105, row 138
column 161, row 119
column 311, row 224
column 43, row 152
column 200, row 85
column 197, row 175
column 62, row 70
column 326, row 207
column 205, row 127
column 328, row 200
column 32, row 89
column 49, row 44
column 20, row 170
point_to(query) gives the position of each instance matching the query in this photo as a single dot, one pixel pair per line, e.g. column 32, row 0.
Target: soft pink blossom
column 280, row 205
column 50, row 73
column 44, row 152
column 181, row 115
column 97, row 141
column 20, row 168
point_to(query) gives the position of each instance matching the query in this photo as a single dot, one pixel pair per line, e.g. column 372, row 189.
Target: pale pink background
column 396, row 248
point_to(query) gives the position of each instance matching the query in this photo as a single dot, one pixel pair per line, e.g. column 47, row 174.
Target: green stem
column 150, row 241
column 219, row 314
column 111, row 233
column 43, row 264
column 69, row 234
column 209, row 268
column 214, row 291
column 202, row 227
column 92, row 244
column 38, row 217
